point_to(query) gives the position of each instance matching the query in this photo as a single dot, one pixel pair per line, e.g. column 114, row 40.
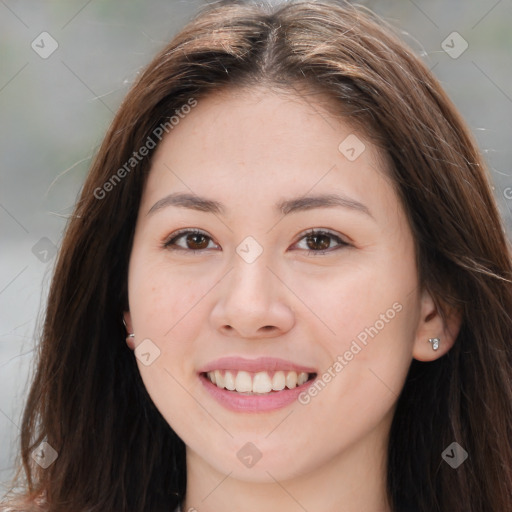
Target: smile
column 255, row 385
column 261, row 382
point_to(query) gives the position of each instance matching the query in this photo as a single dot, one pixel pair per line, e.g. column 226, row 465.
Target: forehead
column 261, row 145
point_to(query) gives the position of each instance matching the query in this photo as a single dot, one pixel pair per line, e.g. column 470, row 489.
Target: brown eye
column 319, row 242
column 196, row 241
column 191, row 241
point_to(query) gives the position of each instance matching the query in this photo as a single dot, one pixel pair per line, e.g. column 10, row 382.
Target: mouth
column 259, row 383
column 255, row 385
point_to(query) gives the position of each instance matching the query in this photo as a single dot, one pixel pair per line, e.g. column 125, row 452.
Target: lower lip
column 254, row 403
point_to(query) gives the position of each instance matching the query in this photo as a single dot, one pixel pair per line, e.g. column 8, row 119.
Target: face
column 262, row 287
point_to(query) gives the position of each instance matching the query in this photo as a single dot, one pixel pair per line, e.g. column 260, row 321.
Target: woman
column 285, row 286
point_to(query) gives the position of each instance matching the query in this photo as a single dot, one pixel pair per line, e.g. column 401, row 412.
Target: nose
column 253, row 302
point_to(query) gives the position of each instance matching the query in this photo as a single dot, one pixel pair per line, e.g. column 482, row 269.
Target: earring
column 129, row 337
column 435, row 343
column 126, row 327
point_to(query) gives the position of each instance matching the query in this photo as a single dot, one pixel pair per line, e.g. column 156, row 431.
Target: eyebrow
column 286, row 206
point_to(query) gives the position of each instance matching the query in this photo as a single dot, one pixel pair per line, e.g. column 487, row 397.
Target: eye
column 319, row 241
column 194, row 241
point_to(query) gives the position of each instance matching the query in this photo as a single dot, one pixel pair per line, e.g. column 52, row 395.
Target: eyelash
column 170, row 241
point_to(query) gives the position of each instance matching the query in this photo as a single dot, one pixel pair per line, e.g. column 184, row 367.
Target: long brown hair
column 87, row 400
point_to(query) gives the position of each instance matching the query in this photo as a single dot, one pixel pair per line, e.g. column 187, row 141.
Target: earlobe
column 130, row 336
column 435, row 336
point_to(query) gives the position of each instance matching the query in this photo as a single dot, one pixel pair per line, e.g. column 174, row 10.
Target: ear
column 130, row 341
column 432, row 325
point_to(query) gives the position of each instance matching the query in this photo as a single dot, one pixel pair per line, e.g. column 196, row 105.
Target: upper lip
column 254, row 365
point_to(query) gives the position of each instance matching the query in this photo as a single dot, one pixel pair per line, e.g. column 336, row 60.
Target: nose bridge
column 251, row 300
column 250, row 278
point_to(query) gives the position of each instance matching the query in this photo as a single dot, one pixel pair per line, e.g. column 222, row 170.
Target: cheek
column 165, row 305
column 370, row 310
column 355, row 298
column 163, row 298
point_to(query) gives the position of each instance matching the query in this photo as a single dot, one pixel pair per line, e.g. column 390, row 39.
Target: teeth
column 219, row 379
column 229, row 381
column 291, row 380
column 302, row 377
column 260, row 382
column 243, row 382
column 279, row 381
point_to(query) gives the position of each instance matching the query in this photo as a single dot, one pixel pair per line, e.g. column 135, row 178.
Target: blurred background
column 66, row 66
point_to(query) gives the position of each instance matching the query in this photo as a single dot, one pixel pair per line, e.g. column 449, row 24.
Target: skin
column 249, row 149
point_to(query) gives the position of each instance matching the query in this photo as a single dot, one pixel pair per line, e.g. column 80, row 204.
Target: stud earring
column 435, row 343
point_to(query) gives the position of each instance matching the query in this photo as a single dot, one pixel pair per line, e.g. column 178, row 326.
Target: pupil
column 195, row 237
column 325, row 244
